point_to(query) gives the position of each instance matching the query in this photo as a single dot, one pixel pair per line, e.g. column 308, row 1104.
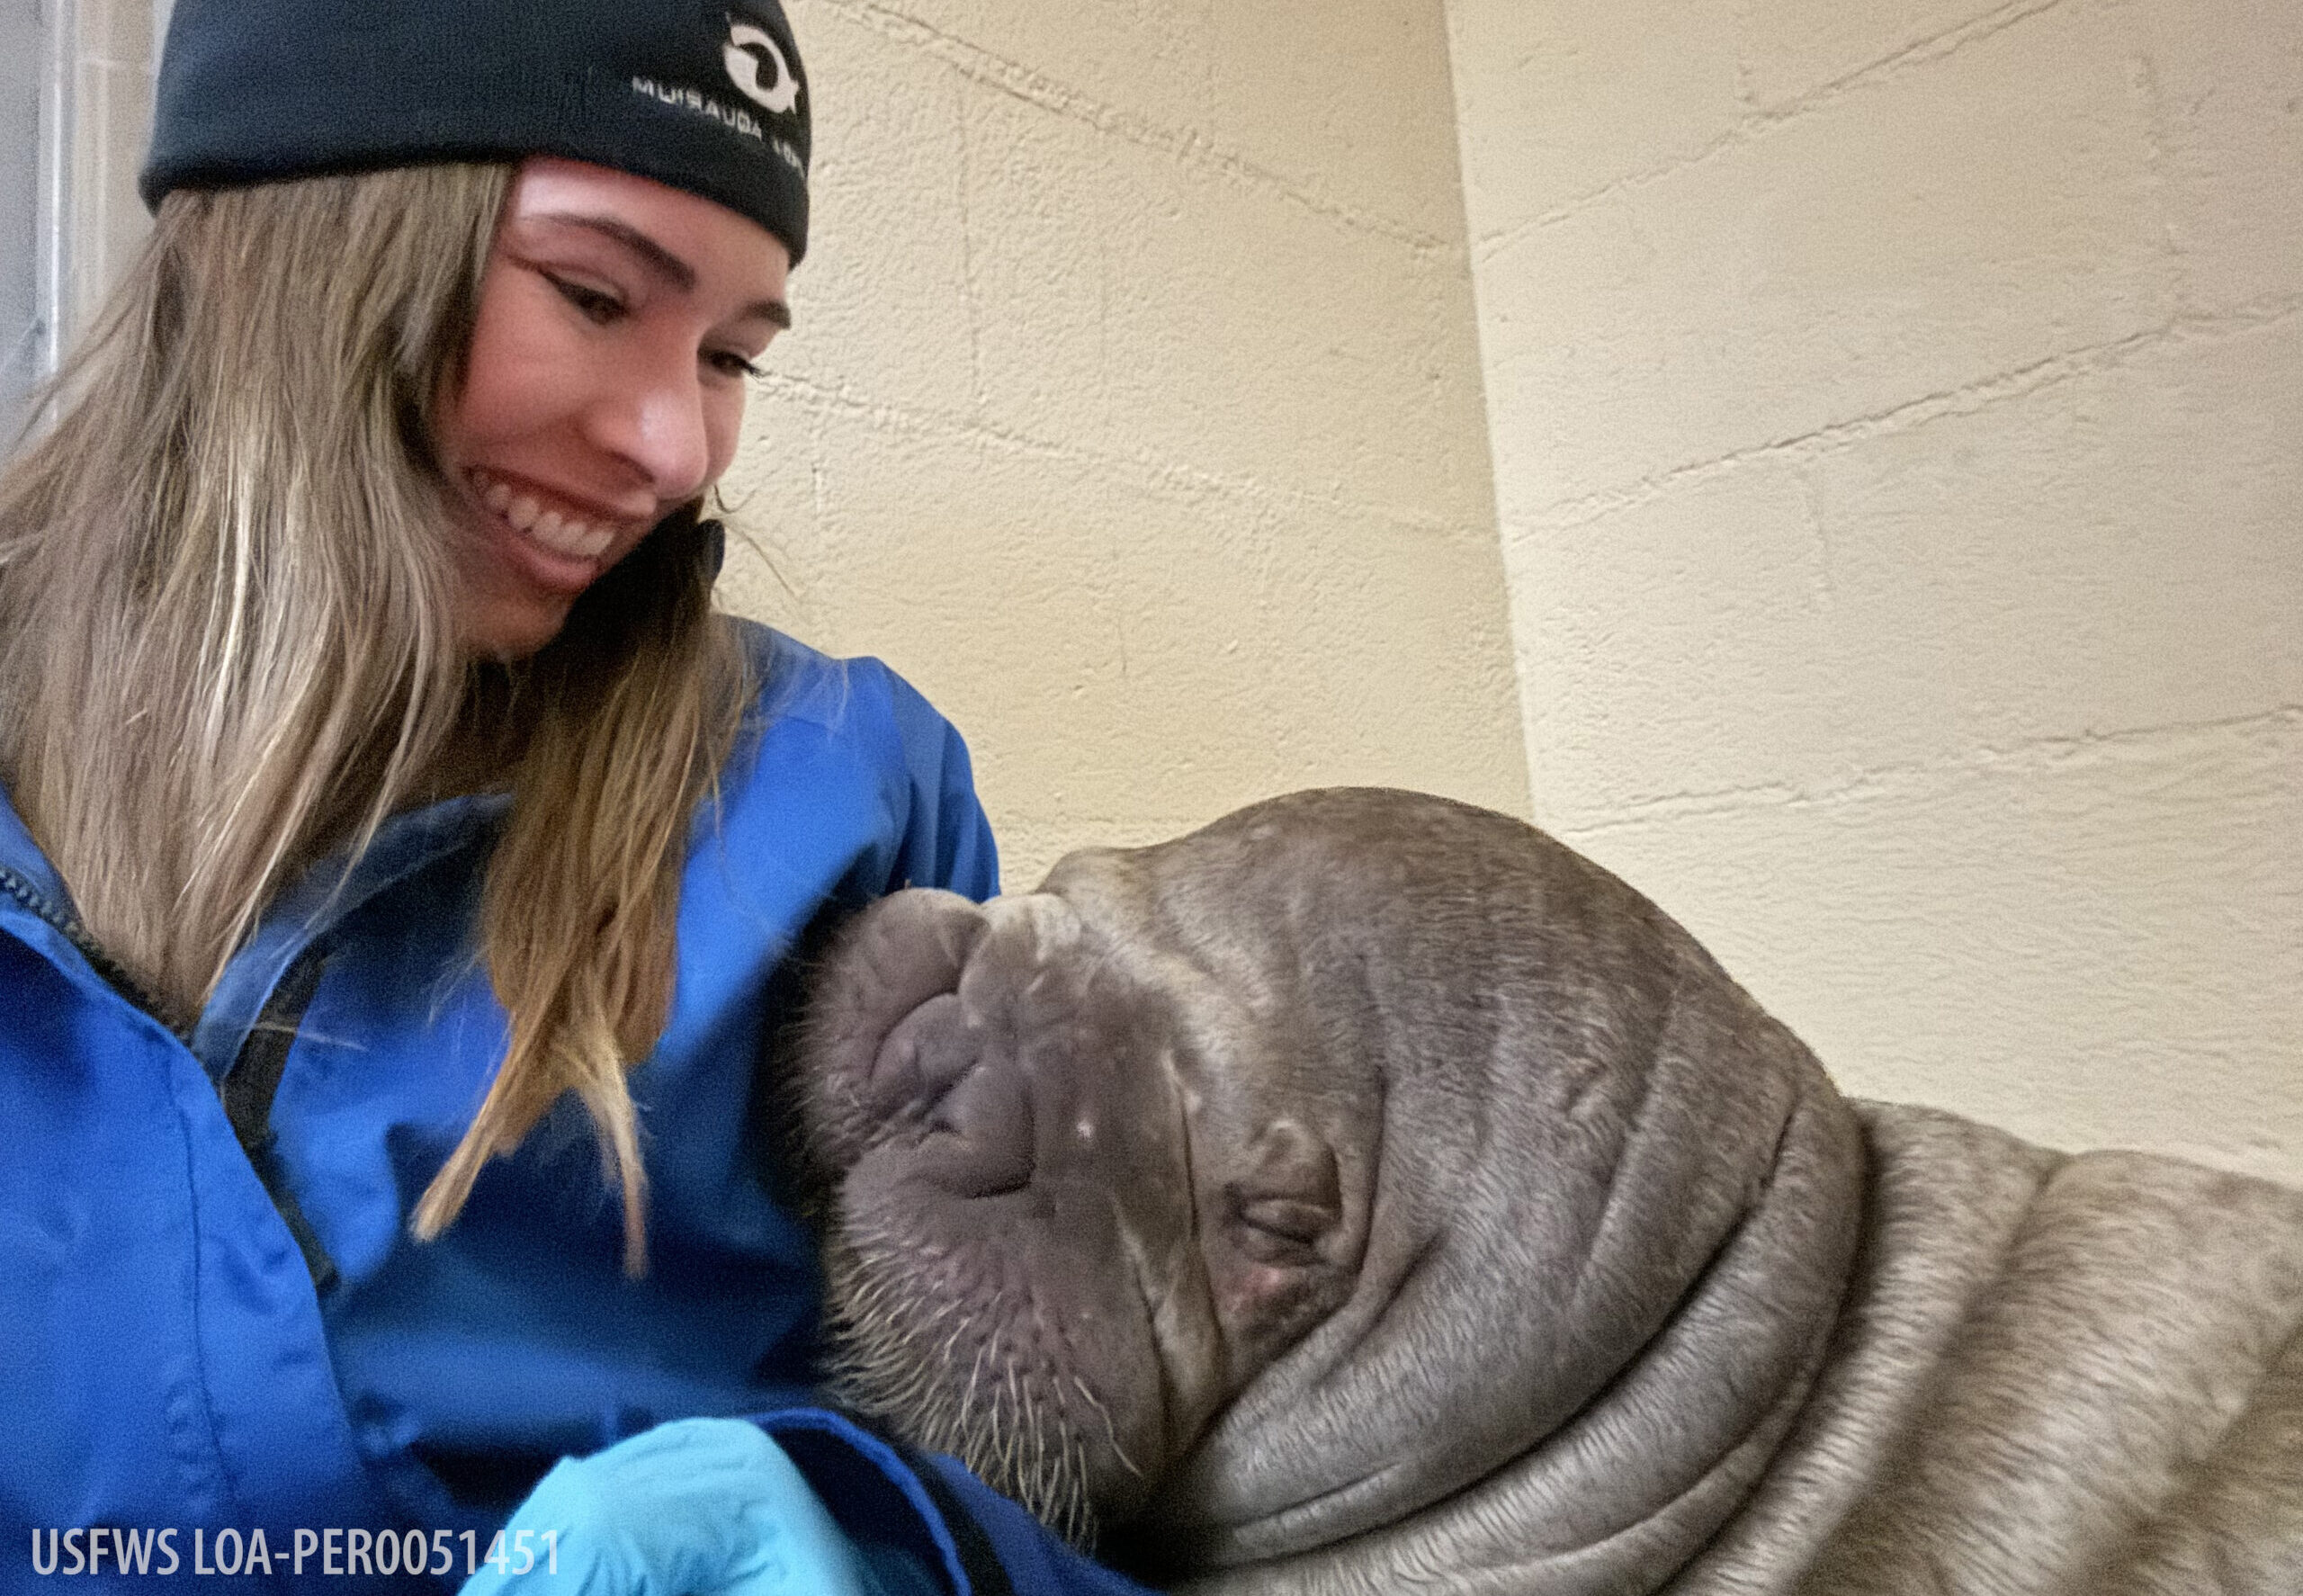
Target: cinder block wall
column 1897, row 418
column 1134, row 406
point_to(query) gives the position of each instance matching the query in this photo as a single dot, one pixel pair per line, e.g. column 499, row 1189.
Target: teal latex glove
column 698, row 1507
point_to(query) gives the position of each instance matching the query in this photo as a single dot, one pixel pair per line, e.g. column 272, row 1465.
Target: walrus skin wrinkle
column 1368, row 1194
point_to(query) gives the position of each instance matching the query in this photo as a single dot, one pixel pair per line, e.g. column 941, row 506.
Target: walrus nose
column 981, row 1135
column 921, row 1059
column 969, row 1120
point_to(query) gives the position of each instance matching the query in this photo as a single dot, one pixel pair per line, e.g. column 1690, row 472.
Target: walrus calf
column 1368, row 1194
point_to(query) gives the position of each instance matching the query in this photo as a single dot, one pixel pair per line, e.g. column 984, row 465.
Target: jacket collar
column 303, row 915
column 21, row 858
column 309, row 910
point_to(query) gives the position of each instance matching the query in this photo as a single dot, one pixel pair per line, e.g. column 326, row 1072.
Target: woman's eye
column 729, row 364
column 595, row 306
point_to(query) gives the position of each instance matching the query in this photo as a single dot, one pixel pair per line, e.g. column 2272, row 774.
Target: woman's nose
column 653, row 416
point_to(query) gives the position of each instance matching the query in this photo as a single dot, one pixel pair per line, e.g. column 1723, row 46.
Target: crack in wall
column 1194, row 149
column 2030, row 756
column 1823, row 588
column 978, row 386
column 1934, row 47
column 1746, row 96
column 1167, row 475
column 2143, row 79
column 1905, row 414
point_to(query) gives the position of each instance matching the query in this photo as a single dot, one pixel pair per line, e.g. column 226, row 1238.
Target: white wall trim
column 55, row 222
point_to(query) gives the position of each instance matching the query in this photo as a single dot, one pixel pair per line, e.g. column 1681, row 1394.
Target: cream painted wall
column 1133, row 407
column 1897, row 420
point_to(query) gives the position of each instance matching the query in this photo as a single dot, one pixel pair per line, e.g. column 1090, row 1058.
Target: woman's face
column 618, row 319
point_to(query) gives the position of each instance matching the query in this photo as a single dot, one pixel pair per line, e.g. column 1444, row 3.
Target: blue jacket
column 213, row 1318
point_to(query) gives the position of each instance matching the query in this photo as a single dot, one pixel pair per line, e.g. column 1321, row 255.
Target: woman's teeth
column 572, row 535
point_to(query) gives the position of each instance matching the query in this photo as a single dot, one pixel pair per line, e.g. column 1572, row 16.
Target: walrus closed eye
column 1366, row 1193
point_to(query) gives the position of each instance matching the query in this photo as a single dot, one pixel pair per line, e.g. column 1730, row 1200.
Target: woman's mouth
column 562, row 532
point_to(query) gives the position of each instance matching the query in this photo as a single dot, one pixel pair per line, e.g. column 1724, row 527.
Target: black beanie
column 709, row 98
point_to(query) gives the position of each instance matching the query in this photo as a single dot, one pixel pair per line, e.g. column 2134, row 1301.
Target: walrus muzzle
column 1366, row 1193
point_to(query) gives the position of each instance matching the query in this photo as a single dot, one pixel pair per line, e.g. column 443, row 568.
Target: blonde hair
column 227, row 639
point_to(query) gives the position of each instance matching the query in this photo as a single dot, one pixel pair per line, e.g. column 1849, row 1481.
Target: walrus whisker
column 1111, row 1433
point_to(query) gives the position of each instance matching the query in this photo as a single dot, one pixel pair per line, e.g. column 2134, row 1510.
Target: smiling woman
column 380, row 778
column 617, row 322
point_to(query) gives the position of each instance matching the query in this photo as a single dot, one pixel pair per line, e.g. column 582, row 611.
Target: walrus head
column 1063, row 1239
column 1270, row 1184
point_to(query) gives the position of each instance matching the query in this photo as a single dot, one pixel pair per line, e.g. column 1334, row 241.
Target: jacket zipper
column 114, row 975
column 250, row 1120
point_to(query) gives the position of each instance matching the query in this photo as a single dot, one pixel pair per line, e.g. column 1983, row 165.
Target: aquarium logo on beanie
column 782, row 97
column 749, row 47
column 705, row 95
